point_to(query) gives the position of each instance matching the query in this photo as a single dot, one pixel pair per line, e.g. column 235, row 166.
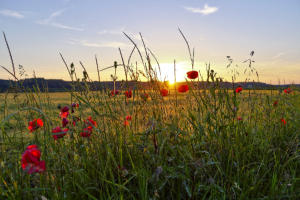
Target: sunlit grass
column 208, row 143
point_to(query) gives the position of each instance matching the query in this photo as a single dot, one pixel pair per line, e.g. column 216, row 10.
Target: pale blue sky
column 38, row 29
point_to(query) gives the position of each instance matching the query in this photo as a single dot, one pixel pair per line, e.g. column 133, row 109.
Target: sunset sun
column 167, row 72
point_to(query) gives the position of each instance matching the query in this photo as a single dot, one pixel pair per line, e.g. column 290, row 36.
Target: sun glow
column 171, row 82
column 167, row 72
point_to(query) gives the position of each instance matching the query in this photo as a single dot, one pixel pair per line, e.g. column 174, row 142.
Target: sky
column 37, row 30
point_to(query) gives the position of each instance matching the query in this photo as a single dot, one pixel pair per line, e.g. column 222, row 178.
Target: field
column 201, row 139
column 212, row 143
column 149, row 100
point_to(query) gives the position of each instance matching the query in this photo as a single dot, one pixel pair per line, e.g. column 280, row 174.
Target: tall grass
column 210, row 143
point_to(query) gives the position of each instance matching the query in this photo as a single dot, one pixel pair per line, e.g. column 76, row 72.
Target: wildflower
column 59, row 130
column 90, row 121
column 65, row 122
column 33, row 146
column 144, row 96
column 35, row 124
column 192, row 74
column 31, row 162
column 239, row 118
column 64, row 112
column 128, row 117
column 75, row 120
column 287, row 91
column 114, row 92
column 283, row 122
column 90, row 125
column 275, row 103
column 183, row 88
column 128, row 94
column 65, row 109
column 238, row 89
column 86, row 132
column 164, row 92
column 126, row 123
column 75, row 105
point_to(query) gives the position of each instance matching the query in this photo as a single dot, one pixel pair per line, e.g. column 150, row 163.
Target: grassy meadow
column 189, row 143
column 183, row 146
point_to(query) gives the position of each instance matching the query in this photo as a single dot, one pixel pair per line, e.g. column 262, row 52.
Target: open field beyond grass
column 211, row 144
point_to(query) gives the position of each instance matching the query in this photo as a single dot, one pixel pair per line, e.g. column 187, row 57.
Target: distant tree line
column 58, row 85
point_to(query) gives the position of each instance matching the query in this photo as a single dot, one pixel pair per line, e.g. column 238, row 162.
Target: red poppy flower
column 126, row 123
column 65, row 109
column 75, row 105
column 90, row 121
column 128, row 117
column 283, row 122
column 64, row 122
column 86, row 132
column 35, row 124
column 59, row 130
column 192, row 74
column 275, row 103
column 75, row 120
column 33, row 146
column 183, row 88
column 239, row 118
column 144, row 96
column 164, row 92
column 114, row 92
column 238, row 89
column 287, row 91
column 128, row 94
column 64, row 112
column 31, row 162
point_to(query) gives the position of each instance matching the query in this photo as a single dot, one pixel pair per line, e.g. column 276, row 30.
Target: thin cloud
column 11, row 13
column 104, row 32
column 58, row 25
column 111, row 32
column 51, row 17
column 278, row 55
column 119, row 32
column 86, row 43
column 50, row 21
column 204, row 11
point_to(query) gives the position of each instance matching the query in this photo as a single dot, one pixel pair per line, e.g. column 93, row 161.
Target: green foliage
column 210, row 143
column 195, row 148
